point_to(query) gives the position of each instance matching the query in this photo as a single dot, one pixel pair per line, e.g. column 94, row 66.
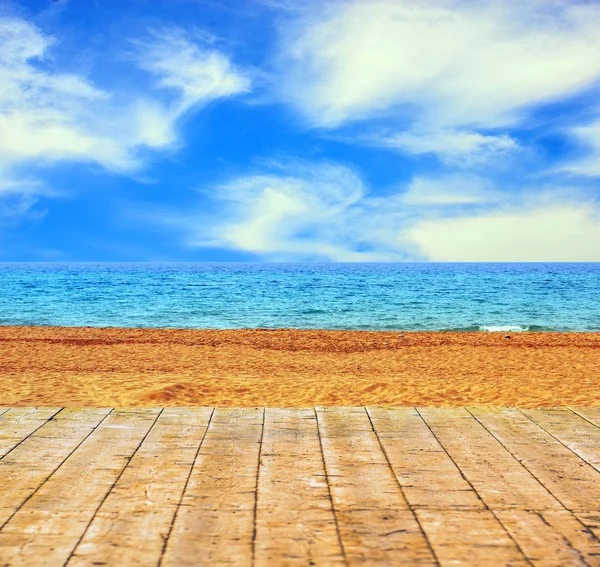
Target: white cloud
column 560, row 232
column 588, row 164
column 462, row 148
column 324, row 211
column 48, row 116
column 450, row 190
column 198, row 73
column 447, row 69
column 307, row 212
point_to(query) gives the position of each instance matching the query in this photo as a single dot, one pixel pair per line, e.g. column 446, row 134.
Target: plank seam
column 30, row 434
column 54, row 471
column 255, row 510
column 583, row 417
column 557, row 439
column 586, row 528
column 462, row 474
column 109, row 491
column 187, row 481
column 412, row 511
column 518, row 461
column 335, row 518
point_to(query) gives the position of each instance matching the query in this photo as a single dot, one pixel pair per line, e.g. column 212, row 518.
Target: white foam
column 503, row 328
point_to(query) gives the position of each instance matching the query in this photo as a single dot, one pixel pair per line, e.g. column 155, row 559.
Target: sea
column 511, row 297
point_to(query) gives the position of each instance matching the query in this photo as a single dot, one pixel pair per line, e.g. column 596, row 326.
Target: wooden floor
column 325, row 486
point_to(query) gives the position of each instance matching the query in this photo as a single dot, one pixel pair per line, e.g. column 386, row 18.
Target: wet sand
column 162, row 367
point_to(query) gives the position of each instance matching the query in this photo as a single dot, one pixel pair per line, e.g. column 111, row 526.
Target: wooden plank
column 295, row 523
column 592, row 522
column 571, row 480
column 427, row 474
column 551, row 537
column 214, row 524
column 17, row 424
column 31, row 463
column 49, row 525
column 579, row 435
column 451, row 513
column 591, row 414
column 132, row 525
column 535, row 520
column 395, row 489
column 494, row 473
column 376, row 524
column 469, row 537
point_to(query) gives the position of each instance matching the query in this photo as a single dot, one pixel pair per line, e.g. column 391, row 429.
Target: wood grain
column 295, row 519
column 538, row 523
column 565, row 475
column 33, row 461
column 215, row 522
column 17, row 424
column 579, row 435
column 49, row 525
column 376, row 524
column 299, row 486
column 451, row 513
column 146, row 497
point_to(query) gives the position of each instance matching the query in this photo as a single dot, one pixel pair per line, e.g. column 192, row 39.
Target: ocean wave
column 503, row 328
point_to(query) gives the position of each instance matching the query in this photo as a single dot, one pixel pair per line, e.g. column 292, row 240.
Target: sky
column 289, row 130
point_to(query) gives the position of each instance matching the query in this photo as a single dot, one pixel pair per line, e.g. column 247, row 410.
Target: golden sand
column 155, row 367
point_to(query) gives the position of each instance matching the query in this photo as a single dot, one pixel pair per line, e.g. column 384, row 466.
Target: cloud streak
column 49, row 116
column 452, row 74
column 588, row 138
column 303, row 211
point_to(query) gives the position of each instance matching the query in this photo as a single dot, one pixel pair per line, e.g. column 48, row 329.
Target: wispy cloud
column 459, row 148
column 450, row 190
column 450, row 73
column 296, row 210
column 199, row 73
column 588, row 164
column 292, row 210
column 50, row 116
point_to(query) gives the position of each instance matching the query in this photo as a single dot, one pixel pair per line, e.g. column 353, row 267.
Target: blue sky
column 275, row 130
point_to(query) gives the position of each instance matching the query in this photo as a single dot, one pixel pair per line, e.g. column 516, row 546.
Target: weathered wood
column 591, row 414
column 332, row 486
column 49, row 525
column 146, row 496
column 579, row 435
column 551, row 537
column 450, row 511
column 469, row 537
column 295, row 523
column 499, row 479
column 33, row 461
column 215, row 521
column 571, row 480
column 17, row 424
column 535, row 519
column 427, row 474
column 376, row 525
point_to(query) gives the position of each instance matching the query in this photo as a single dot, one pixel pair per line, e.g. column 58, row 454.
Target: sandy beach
column 162, row 367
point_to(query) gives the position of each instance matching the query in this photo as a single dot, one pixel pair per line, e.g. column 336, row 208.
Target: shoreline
column 110, row 366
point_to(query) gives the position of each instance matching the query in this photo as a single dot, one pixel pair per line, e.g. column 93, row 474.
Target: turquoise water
column 411, row 297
